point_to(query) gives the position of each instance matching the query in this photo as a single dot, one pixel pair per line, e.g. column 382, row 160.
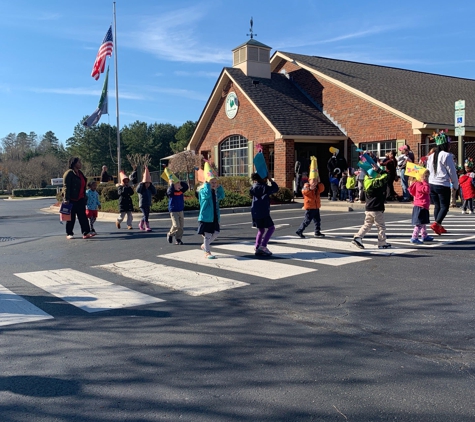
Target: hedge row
column 23, row 193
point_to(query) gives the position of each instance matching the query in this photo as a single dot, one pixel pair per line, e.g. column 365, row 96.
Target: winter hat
column 334, row 150
column 168, row 175
column 123, row 176
column 209, row 172
column 146, row 176
column 260, row 164
column 313, row 169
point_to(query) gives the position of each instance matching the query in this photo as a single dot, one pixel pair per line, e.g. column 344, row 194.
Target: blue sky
column 170, row 53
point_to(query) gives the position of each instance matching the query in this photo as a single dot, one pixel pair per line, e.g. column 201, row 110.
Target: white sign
column 459, row 105
column 459, row 118
column 57, row 181
column 460, row 131
column 232, row 105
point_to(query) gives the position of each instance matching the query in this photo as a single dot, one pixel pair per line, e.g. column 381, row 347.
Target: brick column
column 284, row 162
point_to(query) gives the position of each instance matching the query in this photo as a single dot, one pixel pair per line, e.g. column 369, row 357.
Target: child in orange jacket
column 311, row 203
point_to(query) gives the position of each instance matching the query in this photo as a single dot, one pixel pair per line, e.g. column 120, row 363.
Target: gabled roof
column 284, row 105
column 426, row 97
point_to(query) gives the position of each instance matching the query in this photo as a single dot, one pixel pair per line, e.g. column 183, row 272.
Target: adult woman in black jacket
column 74, row 193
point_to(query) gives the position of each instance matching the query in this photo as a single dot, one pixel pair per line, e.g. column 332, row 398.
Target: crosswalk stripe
column 85, row 291
column 306, row 255
column 340, row 246
column 14, row 309
column 193, row 283
column 256, row 267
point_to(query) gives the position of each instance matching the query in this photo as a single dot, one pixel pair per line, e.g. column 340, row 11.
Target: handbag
column 65, row 212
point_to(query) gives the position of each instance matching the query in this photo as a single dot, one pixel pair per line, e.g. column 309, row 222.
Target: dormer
column 253, row 58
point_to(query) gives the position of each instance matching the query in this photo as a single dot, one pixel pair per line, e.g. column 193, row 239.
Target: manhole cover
column 6, row 239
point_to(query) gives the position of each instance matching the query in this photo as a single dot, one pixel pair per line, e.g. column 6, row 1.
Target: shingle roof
column 286, row 107
column 253, row 42
column 423, row 96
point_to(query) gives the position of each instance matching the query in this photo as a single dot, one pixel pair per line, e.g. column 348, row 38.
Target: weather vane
column 252, row 35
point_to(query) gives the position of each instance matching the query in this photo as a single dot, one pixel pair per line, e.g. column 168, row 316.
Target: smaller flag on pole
column 104, row 50
column 101, row 108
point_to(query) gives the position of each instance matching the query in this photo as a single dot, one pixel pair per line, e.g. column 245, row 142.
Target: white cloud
column 174, row 36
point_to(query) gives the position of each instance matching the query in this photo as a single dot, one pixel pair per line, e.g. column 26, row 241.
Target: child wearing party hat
column 375, row 186
column 311, row 201
column 145, row 191
column 176, row 206
column 125, row 199
column 209, row 195
column 260, row 191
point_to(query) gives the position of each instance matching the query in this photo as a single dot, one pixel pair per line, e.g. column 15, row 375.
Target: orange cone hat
column 146, row 176
column 123, row 176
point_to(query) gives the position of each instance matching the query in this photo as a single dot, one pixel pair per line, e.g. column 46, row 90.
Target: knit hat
column 313, row 169
column 260, row 164
column 168, row 175
column 146, row 176
column 334, row 150
column 209, row 172
column 123, row 176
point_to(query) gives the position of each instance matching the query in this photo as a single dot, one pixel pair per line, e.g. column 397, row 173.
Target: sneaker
column 428, row 239
column 463, row 212
column 117, row 224
column 319, row 234
column 416, row 241
column 129, row 227
column 358, row 242
column 265, row 251
column 92, row 233
column 300, row 234
column 436, row 228
column 442, row 229
column 178, row 242
column 209, row 256
column 387, row 246
column 170, row 238
column 70, row 236
column 257, row 251
column 470, row 212
column 87, row 236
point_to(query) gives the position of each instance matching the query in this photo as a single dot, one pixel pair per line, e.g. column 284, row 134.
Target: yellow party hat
column 209, row 172
column 168, row 175
column 314, row 175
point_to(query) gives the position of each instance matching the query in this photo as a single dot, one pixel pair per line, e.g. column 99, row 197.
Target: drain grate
column 6, row 239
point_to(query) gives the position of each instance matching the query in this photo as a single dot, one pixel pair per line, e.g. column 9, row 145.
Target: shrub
column 109, row 193
column 283, row 195
column 239, row 184
column 233, row 199
column 23, row 193
column 161, row 194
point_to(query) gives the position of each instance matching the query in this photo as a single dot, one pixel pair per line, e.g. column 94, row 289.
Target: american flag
column 104, row 50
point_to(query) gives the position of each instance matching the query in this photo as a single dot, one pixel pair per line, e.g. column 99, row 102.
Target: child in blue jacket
column 260, row 211
column 208, row 219
column 176, row 206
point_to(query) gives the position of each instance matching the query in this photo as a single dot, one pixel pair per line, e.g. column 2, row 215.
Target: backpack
column 351, row 182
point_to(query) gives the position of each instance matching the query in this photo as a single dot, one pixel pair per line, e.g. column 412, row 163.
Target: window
column 380, row 149
column 233, row 154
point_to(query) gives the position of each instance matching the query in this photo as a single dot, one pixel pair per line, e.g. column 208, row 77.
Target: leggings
column 208, row 238
column 145, row 213
column 263, row 240
column 468, row 203
column 420, row 228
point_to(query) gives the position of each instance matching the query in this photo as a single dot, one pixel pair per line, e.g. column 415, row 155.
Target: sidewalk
column 337, row 206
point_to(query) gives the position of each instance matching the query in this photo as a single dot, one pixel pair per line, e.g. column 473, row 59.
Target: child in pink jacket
column 420, row 190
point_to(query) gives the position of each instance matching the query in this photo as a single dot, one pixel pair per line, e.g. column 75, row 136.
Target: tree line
column 31, row 161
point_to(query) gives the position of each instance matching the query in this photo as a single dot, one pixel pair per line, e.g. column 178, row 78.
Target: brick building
column 296, row 106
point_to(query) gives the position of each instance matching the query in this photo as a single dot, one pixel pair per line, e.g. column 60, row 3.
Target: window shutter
column 216, row 157
column 400, row 143
column 250, row 157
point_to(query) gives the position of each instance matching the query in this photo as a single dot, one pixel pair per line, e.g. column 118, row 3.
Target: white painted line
column 345, row 246
column 15, row 310
column 306, row 255
column 85, row 291
column 190, row 282
column 257, row 267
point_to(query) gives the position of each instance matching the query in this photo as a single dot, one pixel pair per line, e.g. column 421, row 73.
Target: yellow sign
column 414, row 170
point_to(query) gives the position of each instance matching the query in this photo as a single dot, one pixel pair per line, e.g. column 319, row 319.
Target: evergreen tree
column 183, row 136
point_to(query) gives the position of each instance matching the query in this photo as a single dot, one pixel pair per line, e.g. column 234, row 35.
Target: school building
column 294, row 106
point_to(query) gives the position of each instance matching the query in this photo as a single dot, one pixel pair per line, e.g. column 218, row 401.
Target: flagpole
column 117, row 98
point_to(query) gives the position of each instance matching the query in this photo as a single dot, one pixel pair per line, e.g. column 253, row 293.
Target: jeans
column 440, row 197
column 343, row 194
column 311, row 215
column 405, row 185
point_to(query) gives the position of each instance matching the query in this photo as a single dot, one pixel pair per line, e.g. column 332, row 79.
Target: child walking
column 92, row 205
column 176, row 206
column 375, row 185
column 420, row 190
column 311, row 203
column 145, row 191
column 125, row 200
column 260, row 212
column 351, row 185
column 466, row 182
column 208, row 219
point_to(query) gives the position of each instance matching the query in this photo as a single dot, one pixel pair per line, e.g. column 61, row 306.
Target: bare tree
column 185, row 162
